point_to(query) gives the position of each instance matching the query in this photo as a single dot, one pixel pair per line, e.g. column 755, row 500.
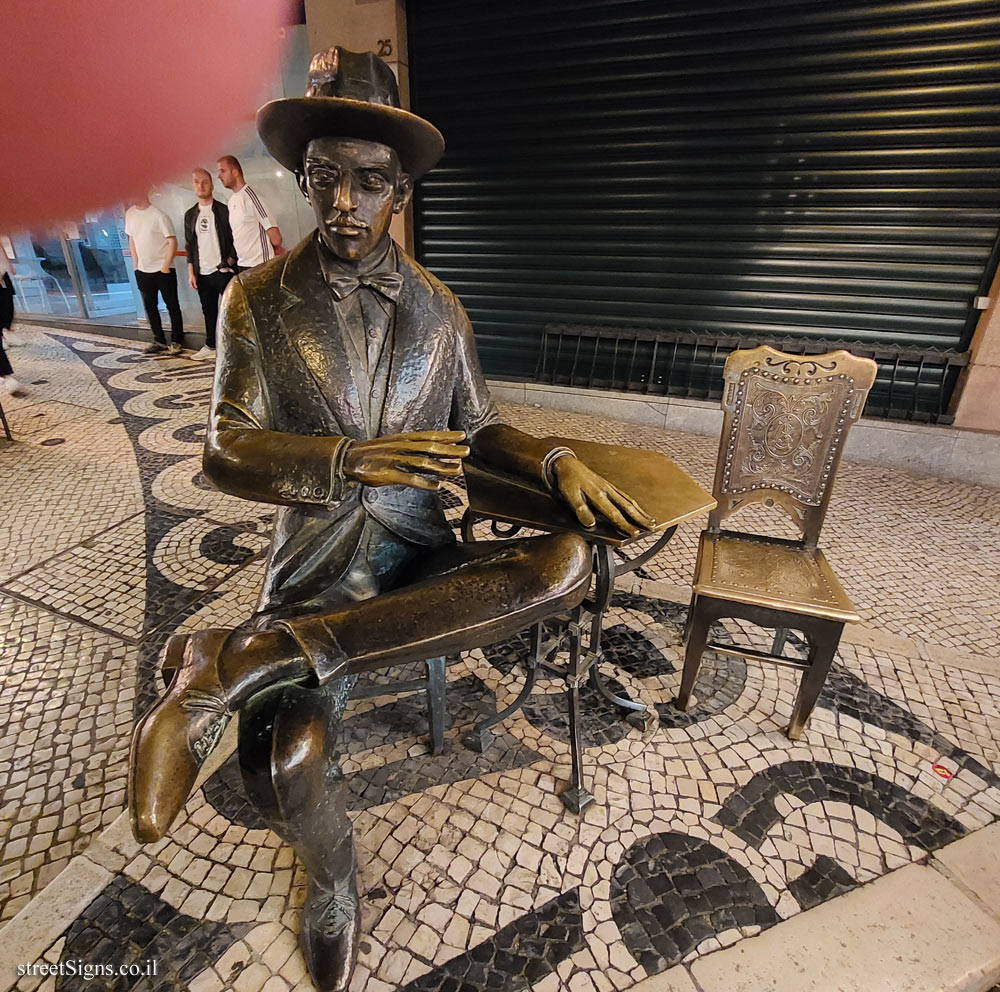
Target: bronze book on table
column 665, row 491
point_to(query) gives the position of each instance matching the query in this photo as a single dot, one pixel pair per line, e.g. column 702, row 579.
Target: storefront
column 82, row 271
column 635, row 188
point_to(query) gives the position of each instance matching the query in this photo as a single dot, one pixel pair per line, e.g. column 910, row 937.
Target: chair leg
column 436, row 681
column 780, row 637
column 822, row 647
column 692, row 606
column 697, row 637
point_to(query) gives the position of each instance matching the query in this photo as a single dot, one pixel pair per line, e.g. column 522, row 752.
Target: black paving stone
column 662, row 923
column 468, row 700
column 110, row 931
column 518, row 955
column 845, row 693
column 918, row 821
column 823, row 880
column 224, row 792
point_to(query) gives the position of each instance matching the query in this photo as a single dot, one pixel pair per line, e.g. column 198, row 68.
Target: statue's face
column 354, row 188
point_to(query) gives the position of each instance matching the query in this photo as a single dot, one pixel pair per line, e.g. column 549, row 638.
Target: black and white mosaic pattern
column 129, row 925
column 707, row 829
column 671, row 891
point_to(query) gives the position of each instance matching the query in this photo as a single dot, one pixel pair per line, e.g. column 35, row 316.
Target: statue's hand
column 421, row 459
column 586, row 491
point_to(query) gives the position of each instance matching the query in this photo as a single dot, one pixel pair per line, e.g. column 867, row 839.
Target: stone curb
column 910, row 931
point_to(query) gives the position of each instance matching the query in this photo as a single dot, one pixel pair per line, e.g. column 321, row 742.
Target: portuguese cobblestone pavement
column 708, row 827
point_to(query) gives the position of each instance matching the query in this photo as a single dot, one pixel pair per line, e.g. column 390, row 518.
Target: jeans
column 210, row 290
column 165, row 284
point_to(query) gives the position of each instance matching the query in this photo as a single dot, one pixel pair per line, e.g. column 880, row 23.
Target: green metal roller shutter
column 747, row 168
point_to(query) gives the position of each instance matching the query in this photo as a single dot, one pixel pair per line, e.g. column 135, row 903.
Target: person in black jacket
column 208, row 241
column 9, row 386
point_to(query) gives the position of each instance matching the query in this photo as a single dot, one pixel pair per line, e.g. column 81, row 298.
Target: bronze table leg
column 436, row 687
column 583, row 663
column 637, row 714
column 577, row 797
column 467, row 526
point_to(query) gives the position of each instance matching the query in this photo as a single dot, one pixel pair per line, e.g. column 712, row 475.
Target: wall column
column 377, row 26
column 978, row 404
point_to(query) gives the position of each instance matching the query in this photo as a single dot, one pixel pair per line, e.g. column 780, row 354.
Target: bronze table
column 665, row 491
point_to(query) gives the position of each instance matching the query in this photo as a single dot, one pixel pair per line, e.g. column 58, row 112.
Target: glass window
column 84, row 269
column 98, row 249
column 42, row 282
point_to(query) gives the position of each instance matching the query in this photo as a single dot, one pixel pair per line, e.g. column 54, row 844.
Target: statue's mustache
column 345, row 220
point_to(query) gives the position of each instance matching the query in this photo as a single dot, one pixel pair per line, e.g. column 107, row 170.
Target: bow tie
column 387, row 283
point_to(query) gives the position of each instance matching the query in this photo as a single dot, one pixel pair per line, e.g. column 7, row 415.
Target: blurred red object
column 103, row 98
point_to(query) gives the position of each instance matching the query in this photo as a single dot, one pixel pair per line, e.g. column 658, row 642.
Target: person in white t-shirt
column 208, row 241
column 153, row 245
column 255, row 232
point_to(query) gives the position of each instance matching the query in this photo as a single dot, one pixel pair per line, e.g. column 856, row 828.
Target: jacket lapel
column 309, row 320
column 220, row 213
column 380, row 377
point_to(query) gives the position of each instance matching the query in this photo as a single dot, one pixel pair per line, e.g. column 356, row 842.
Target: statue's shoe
column 331, row 930
column 174, row 738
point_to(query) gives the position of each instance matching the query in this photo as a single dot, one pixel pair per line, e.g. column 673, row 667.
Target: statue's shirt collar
column 377, row 272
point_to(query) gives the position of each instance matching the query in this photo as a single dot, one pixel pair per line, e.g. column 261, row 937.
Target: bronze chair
column 786, row 420
column 434, row 685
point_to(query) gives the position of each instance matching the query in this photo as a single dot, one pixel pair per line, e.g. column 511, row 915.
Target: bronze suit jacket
column 284, row 393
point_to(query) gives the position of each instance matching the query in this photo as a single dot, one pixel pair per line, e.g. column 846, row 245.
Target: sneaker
column 206, row 354
column 10, row 386
column 174, row 348
column 154, row 349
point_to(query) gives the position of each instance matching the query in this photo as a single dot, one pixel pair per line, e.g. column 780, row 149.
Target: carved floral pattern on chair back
column 786, row 420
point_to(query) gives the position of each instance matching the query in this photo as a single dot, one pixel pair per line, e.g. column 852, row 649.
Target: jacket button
column 372, row 495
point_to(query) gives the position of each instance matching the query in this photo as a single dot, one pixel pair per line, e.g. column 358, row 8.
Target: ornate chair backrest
column 786, row 421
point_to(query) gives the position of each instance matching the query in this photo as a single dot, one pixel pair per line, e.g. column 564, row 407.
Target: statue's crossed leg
column 290, row 682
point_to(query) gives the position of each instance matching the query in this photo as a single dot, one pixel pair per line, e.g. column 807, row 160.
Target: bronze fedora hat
column 350, row 95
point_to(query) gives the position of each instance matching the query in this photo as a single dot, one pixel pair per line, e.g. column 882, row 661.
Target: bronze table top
column 663, row 489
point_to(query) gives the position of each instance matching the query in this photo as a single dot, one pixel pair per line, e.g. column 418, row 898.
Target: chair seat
column 770, row 573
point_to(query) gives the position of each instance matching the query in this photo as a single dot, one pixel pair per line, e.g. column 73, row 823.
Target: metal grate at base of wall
column 912, row 383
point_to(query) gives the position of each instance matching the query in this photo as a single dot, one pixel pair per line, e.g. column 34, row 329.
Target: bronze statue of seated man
column 347, row 390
